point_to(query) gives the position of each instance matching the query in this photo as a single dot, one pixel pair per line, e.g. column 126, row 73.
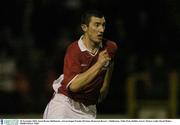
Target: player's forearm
column 106, row 81
column 104, row 89
column 84, row 78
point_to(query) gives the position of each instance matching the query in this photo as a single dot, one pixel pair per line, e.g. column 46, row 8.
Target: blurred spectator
column 7, row 71
column 159, row 76
column 23, row 101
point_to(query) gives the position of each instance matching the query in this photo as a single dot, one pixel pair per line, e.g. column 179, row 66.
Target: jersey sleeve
column 71, row 66
column 111, row 48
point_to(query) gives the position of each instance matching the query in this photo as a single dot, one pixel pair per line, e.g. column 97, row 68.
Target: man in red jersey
column 88, row 66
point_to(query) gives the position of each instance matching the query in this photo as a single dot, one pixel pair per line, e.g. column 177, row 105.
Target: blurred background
column 34, row 35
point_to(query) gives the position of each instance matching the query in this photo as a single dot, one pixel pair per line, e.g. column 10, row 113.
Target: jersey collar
column 83, row 47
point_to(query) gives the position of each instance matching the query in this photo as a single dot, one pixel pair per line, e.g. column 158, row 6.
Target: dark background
column 34, row 35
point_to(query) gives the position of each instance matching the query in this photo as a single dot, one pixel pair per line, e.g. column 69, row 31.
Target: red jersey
column 77, row 60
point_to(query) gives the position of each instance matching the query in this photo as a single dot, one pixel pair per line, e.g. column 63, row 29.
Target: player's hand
column 103, row 58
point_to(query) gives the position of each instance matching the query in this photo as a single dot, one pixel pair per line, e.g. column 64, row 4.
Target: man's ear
column 84, row 27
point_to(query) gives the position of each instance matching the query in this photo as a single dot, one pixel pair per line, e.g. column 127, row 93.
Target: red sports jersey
column 78, row 60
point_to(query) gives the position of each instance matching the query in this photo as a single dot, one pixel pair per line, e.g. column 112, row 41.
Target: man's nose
column 101, row 29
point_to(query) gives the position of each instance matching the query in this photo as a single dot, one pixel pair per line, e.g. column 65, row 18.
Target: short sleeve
column 111, row 48
column 71, row 65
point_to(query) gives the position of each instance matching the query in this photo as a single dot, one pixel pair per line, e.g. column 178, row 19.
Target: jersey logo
column 84, row 65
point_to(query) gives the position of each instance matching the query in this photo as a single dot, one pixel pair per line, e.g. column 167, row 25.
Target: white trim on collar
column 83, row 47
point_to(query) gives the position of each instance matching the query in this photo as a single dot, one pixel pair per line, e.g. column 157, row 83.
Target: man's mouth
column 100, row 36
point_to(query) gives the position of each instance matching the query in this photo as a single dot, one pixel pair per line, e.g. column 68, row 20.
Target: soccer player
column 88, row 66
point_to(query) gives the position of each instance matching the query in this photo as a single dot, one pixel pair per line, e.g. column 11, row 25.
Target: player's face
column 95, row 29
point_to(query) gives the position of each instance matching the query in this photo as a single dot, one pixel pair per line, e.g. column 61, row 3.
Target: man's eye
column 96, row 25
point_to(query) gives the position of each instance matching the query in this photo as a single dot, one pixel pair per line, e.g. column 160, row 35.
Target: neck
column 90, row 45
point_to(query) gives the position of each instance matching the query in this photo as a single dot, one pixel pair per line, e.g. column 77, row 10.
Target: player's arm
column 104, row 89
column 86, row 77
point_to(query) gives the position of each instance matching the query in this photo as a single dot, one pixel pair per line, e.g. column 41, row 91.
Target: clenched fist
column 103, row 58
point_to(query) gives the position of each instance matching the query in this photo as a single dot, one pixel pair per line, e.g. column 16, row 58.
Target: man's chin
column 99, row 40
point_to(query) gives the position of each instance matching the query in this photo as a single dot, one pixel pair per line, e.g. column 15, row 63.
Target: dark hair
column 86, row 16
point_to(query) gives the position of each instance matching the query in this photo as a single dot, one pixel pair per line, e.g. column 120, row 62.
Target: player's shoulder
column 73, row 47
column 110, row 44
column 74, row 44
